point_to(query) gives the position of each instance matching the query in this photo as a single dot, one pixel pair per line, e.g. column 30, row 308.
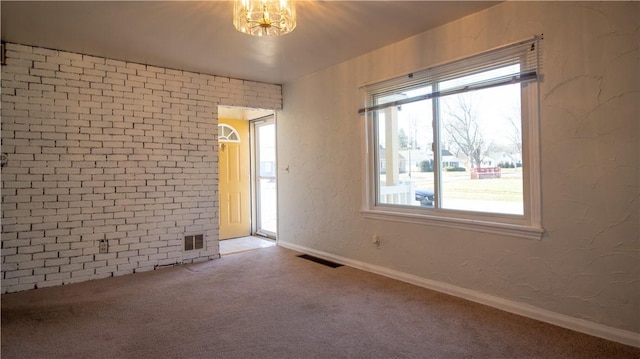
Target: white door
column 265, row 169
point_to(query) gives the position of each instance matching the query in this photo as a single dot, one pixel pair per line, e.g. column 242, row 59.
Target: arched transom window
column 227, row 133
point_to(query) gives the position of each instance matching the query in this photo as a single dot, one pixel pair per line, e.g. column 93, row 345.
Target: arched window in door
column 227, row 133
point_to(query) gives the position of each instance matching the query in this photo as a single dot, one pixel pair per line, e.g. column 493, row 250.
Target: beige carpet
column 269, row 303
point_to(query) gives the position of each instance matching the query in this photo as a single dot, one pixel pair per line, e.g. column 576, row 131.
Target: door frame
column 255, row 177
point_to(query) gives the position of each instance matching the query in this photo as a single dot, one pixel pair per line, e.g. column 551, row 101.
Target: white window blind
column 523, row 53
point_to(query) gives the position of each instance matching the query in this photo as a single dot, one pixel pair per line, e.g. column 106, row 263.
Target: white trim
column 512, row 230
column 526, row 310
column 531, row 151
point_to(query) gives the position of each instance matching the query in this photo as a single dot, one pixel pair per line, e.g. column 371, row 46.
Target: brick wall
column 99, row 149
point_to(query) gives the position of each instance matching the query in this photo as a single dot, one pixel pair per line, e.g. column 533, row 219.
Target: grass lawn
column 459, row 185
column 491, row 189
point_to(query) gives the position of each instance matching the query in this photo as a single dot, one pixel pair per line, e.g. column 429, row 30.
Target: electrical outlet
column 104, row 246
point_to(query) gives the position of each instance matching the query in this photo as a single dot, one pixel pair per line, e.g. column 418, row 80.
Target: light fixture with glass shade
column 264, row 17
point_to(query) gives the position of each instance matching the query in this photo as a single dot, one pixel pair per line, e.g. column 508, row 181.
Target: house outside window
column 457, row 144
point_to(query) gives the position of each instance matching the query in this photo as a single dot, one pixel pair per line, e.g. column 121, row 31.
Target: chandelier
column 264, row 17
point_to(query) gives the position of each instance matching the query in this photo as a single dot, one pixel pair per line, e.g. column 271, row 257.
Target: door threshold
column 243, row 244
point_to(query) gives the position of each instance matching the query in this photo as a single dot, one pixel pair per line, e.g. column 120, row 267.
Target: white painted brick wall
column 102, row 149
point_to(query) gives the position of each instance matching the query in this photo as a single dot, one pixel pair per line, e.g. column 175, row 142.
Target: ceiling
column 199, row 36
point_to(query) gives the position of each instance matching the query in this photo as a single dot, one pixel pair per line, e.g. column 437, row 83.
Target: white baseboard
column 525, row 310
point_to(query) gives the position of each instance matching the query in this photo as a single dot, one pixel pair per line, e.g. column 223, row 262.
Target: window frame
column 526, row 226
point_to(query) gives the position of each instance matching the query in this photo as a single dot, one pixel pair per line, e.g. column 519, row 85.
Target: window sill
column 505, row 229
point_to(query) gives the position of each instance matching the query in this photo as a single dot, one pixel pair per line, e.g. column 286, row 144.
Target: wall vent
column 195, row 241
column 3, row 53
column 320, row 261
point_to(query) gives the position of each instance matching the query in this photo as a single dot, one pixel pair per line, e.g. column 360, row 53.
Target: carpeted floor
column 269, row 303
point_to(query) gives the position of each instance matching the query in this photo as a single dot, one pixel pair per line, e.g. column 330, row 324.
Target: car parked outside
column 425, row 196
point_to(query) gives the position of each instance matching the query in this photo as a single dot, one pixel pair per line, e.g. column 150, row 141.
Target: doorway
column 234, row 178
column 264, row 180
column 247, row 187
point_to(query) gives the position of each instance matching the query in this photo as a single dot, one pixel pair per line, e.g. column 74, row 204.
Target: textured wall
column 587, row 263
column 100, row 149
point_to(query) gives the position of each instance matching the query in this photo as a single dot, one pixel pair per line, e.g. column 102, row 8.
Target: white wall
column 587, row 264
column 100, row 149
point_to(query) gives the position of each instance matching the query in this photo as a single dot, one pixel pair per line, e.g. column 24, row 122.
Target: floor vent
column 320, row 260
column 193, row 242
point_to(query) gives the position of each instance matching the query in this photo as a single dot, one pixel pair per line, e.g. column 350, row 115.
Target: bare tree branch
column 516, row 134
column 463, row 129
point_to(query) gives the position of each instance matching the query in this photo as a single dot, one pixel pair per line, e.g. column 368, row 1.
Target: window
column 227, row 133
column 457, row 144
